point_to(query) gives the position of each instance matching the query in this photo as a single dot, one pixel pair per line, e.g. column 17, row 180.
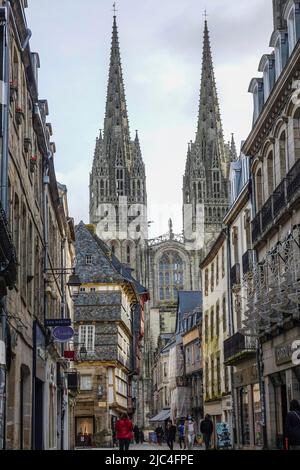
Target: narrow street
column 144, row 446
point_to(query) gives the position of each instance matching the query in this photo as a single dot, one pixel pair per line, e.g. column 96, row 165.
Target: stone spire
column 209, row 119
column 233, row 152
column 207, row 163
column 116, row 124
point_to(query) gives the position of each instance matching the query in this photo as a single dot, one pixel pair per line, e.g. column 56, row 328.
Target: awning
column 162, row 415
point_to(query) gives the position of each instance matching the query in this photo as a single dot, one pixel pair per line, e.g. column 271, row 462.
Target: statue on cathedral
column 171, row 234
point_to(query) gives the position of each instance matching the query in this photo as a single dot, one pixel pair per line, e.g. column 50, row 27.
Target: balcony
column 293, row 181
column 247, row 260
column 235, row 275
column 8, row 260
column 267, row 214
column 237, row 348
column 256, row 227
column 279, row 198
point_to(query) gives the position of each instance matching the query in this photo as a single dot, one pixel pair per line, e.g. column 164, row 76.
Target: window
column 86, row 382
column 206, row 283
column 88, row 259
column 24, row 251
column 206, row 328
column 266, row 81
column 223, row 261
column 282, row 155
column 212, row 277
column 224, row 314
column 212, row 375
column 93, row 289
column 128, row 254
column 216, row 184
column 171, row 276
column 291, row 29
column 217, row 270
column 259, row 190
column 270, row 174
column 87, row 337
column 212, row 324
column 120, row 181
column 82, row 289
column 218, row 319
column 218, row 376
column 278, row 60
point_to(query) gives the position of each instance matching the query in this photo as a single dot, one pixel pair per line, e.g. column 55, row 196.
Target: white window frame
column 90, row 385
column 267, row 88
column 84, row 337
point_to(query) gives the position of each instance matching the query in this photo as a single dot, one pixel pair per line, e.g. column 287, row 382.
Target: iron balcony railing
column 256, row 227
column 267, row 214
column 237, row 347
column 279, row 198
column 293, row 181
column 235, row 274
column 247, row 261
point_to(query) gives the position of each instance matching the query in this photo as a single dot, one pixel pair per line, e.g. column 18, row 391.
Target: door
column 38, row 415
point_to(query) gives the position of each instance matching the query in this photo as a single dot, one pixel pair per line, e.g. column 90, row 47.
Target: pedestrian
column 159, row 434
column 136, row 433
column 190, row 432
column 124, row 432
column 292, row 426
column 170, row 434
column 181, row 434
column 142, row 437
column 207, row 427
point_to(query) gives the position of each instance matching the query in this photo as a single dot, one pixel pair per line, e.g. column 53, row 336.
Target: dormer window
column 278, row 59
column 292, row 29
column 257, row 89
column 88, row 259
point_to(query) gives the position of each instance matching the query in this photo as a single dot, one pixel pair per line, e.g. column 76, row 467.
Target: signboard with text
column 52, row 322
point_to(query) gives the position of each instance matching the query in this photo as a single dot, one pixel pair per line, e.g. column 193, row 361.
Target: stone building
column 273, row 291
column 109, row 326
column 169, row 262
column 215, row 330
column 36, row 408
column 240, row 352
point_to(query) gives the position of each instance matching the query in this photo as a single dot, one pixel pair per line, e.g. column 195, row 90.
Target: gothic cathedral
column 165, row 264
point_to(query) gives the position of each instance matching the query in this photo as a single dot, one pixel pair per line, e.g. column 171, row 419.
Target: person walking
column 142, row 437
column 292, row 426
column 159, row 435
column 124, row 432
column 170, row 434
column 181, row 435
column 136, row 433
column 206, row 428
column 190, row 432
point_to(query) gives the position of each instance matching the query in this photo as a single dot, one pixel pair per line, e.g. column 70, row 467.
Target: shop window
column 86, row 382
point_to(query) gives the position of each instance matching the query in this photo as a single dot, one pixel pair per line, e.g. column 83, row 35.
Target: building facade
column 109, row 326
column 273, row 292
column 35, row 414
column 215, row 330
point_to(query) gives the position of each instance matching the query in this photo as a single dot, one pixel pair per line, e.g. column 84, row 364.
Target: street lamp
column 74, row 283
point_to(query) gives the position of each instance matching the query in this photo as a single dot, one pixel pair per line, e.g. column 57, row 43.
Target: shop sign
column 283, row 353
column 62, row 334
column 52, row 322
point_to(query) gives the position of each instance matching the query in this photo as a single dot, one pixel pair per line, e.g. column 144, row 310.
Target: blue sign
column 63, row 333
column 223, row 435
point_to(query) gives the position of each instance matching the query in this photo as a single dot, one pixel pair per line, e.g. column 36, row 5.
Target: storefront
column 282, row 384
column 85, row 429
column 248, row 407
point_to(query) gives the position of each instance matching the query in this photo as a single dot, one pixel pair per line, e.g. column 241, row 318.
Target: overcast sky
column 161, row 50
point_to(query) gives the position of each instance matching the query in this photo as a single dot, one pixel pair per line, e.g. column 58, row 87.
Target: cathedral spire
column 209, row 119
column 116, row 124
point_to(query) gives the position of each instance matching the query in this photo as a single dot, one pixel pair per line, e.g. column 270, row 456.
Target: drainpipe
column 4, row 193
column 231, row 332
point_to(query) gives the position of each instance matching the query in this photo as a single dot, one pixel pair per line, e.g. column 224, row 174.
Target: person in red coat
column 124, row 431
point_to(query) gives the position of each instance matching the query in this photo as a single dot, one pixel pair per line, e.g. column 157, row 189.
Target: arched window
column 259, row 190
column 282, row 155
column 171, row 276
column 128, row 254
column 120, row 181
column 216, row 184
column 101, row 188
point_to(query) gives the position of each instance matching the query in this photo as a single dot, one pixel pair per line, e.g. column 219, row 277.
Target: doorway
column 38, row 415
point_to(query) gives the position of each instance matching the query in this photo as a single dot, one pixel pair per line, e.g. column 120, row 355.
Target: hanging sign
column 58, row 322
column 63, row 334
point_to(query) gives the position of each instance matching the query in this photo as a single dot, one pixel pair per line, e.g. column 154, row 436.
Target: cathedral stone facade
column 168, row 263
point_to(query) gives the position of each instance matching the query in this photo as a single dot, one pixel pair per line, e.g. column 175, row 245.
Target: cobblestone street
column 145, row 446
